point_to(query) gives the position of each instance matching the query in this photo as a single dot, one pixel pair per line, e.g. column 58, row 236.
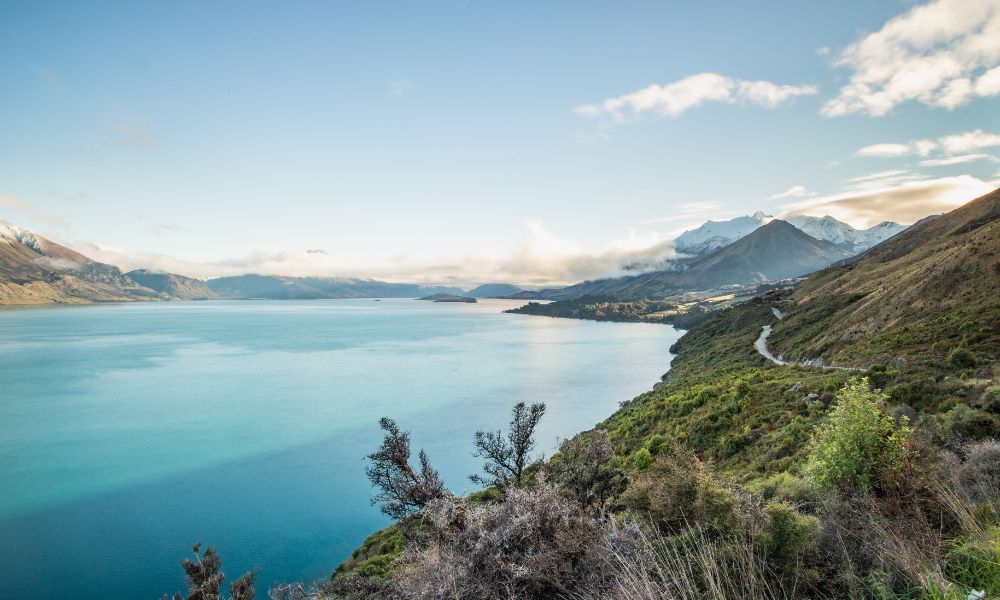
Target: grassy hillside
column 738, row 478
column 916, row 296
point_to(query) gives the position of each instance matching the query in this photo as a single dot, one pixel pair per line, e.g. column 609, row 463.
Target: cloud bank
column 673, row 99
column 942, row 54
column 881, row 197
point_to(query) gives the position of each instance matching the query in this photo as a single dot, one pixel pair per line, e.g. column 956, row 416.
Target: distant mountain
column 713, row 235
column 840, row 233
column 35, row 270
column 775, row 251
column 920, row 294
column 493, row 290
column 306, row 288
column 170, row 284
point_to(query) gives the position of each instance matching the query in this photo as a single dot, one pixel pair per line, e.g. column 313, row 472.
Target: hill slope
column 172, row 285
column 35, row 270
column 926, row 290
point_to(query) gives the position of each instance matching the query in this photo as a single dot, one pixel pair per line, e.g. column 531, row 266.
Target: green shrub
column 961, row 359
column 788, row 536
column 642, row 459
column 858, row 444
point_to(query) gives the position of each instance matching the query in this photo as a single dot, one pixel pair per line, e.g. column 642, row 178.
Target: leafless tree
column 507, row 456
column 204, row 578
column 401, row 490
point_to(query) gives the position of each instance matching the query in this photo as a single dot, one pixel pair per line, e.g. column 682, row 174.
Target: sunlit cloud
column 943, row 54
column 903, row 203
column 958, row 160
column 673, row 99
column 918, row 147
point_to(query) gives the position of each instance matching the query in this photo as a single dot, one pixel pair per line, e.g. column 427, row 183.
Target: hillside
column 774, row 251
column 312, row 288
column 740, row 475
column 919, row 294
column 493, row 290
column 35, row 270
column 172, row 285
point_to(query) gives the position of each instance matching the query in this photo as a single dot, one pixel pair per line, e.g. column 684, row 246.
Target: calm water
column 129, row 432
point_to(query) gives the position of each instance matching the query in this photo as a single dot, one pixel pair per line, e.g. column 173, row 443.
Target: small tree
column 507, row 456
column 859, row 443
column 401, row 490
column 204, row 578
column 583, row 468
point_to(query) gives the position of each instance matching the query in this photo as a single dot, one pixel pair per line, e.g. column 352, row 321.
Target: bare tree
column 204, row 578
column 402, row 490
column 584, row 469
column 507, row 456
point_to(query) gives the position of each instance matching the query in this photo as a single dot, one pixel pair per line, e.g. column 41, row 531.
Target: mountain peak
column 760, row 216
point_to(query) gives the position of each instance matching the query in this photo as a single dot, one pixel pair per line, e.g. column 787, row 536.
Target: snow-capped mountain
column 857, row 240
column 716, row 234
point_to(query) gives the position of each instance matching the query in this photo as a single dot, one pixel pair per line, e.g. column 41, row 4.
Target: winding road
column 761, row 346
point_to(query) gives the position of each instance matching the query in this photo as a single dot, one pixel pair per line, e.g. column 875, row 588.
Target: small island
column 448, row 298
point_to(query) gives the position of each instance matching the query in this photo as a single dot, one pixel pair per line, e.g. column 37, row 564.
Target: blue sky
column 471, row 141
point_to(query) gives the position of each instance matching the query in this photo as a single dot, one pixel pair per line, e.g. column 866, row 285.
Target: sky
column 465, row 142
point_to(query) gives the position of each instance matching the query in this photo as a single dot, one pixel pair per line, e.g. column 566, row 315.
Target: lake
column 128, row 432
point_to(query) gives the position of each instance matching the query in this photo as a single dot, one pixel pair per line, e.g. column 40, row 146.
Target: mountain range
column 743, row 251
column 774, row 251
column 713, row 235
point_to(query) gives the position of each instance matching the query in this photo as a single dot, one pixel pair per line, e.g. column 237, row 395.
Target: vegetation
column 401, row 490
column 505, row 457
column 204, row 578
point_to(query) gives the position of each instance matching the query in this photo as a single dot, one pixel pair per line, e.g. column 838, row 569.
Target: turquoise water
column 128, row 432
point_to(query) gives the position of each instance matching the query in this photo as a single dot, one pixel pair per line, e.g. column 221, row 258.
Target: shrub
column 788, row 536
column 533, row 545
column 642, row 459
column 961, row 359
column 977, row 478
column 584, row 468
column 858, row 444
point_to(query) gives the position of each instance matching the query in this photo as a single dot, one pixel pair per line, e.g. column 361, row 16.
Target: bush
column 788, row 537
column 977, row 478
column 961, row 359
column 642, row 459
column 859, row 444
column 533, row 545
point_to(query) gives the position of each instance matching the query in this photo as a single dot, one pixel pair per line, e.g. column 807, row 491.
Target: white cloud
column 957, row 160
column 956, row 148
column 943, row 53
column 921, row 147
column 905, row 203
column 796, row 191
column 539, row 258
column 673, row 99
column 969, row 141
